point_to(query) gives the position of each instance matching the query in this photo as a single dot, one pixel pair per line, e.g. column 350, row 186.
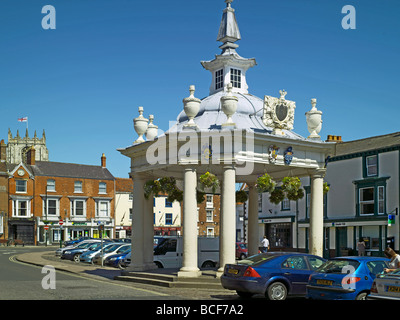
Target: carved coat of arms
column 272, row 153
column 288, row 155
column 279, row 112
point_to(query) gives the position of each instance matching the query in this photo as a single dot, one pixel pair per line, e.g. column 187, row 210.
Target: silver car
column 110, row 250
column 386, row 287
column 60, row 251
column 87, row 257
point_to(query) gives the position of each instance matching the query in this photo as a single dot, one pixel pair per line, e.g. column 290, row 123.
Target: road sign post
column 61, row 222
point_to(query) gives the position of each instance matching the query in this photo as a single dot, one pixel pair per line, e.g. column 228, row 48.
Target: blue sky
column 83, row 81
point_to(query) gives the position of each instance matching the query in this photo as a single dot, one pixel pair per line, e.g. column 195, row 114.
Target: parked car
column 60, row 251
column 74, row 253
column 345, row 278
column 241, row 250
column 386, row 286
column 87, row 256
column 74, row 241
column 125, row 240
column 110, row 250
column 117, row 260
column 274, row 274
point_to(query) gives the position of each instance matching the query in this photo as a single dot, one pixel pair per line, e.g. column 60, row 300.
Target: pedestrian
column 265, row 244
column 394, row 260
column 361, row 247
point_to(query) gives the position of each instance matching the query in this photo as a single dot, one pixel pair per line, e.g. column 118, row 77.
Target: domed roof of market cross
column 230, row 68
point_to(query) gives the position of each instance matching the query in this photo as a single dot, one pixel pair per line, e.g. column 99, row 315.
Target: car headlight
column 67, row 252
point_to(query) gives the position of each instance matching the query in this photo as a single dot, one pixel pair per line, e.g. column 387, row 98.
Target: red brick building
column 44, row 192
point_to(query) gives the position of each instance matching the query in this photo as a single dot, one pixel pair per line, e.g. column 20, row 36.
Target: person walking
column 361, row 247
column 394, row 263
column 265, row 244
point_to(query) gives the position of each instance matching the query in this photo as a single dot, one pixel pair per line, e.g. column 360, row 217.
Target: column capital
column 318, row 173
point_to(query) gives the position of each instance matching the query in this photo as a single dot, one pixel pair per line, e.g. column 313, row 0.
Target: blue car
column 275, row 274
column 117, row 260
column 345, row 278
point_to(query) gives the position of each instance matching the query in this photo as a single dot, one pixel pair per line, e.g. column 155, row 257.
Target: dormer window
column 236, row 76
column 219, row 79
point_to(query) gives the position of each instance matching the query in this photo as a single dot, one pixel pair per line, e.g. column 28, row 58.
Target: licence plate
column 325, row 282
column 393, row 289
column 233, row 271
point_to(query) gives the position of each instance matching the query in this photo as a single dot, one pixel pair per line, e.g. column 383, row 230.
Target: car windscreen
column 94, row 246
column 242, row 245
column 111, row 248
column 257, row 259
column 343, row 266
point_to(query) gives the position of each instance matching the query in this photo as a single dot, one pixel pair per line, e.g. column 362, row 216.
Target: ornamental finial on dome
column 228, row 31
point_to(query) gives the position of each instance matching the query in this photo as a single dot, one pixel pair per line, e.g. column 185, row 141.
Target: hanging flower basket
column 326, row 188
column 291, row 186
column 166, row 185
column 277, row 196
column 200, row 196
column 152, row 187
column 241, row 196
column 265, row 183
column 209, row 180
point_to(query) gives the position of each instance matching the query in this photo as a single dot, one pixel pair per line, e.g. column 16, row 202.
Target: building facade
column 364, row 183
column 123, row 207
column 52, row 201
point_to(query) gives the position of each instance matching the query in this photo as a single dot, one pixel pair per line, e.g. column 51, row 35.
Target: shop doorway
column 341, row 241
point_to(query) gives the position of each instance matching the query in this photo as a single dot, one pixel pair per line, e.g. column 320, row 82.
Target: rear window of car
column 339, row 266
column 257, row 259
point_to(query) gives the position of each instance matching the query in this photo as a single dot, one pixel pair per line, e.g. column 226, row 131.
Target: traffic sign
column 46, row 227
column 61, row 222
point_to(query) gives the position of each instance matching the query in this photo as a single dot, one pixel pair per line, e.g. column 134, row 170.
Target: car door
column 296, row 270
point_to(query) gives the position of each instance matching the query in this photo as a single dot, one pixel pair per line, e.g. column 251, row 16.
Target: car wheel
column 208, row 264
column 243, row 294
column 121, row 265
column 242, row 256
column 159, row 265
column 276, row 291
column 362, row 296
column 77, row 257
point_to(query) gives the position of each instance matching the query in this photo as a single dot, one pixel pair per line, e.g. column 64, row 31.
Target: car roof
column 362, row 258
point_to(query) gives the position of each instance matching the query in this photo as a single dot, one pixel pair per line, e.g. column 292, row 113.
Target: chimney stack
column 332, row 138
column 103, row 161
column 30, row 157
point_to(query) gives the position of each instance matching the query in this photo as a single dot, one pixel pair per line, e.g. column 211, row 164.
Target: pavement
column 164, row 280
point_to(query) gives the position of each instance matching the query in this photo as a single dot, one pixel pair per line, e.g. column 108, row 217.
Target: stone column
column 228, row 218
column 148, row 236
column 316, row 236
column 252, row 222
column 137, row 256
column 189, row 259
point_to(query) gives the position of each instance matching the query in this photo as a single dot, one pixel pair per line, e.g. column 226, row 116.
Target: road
column 20, row 281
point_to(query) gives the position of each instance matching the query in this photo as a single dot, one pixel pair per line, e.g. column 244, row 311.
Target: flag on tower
column 25, row 119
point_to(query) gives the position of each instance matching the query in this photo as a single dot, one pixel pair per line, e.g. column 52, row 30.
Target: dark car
column 74, row 253
column 75, row 241
column 345, row 278
column 275, row 274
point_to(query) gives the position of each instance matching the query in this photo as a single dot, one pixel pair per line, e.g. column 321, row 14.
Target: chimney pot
column 103, row 161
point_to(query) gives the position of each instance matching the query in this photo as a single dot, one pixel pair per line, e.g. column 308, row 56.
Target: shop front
column 279, row 232
column 22, row 229
column 51, row 232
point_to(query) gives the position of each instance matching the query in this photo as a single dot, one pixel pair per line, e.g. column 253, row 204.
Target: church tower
column 18, row 147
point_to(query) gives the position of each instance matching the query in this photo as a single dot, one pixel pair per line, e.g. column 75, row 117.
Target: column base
column 189, row 272
column 141, row 267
